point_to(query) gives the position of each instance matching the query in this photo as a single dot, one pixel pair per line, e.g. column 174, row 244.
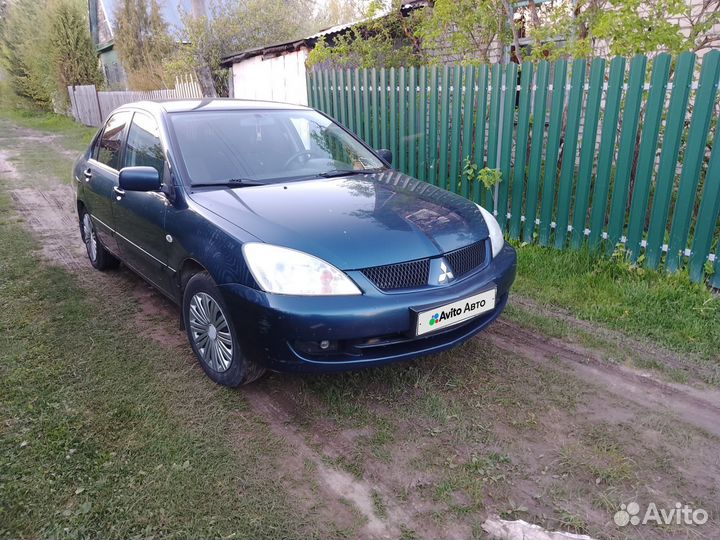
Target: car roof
column 208, row 104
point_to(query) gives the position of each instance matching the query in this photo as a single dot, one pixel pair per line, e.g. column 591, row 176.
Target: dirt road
column 515, row 423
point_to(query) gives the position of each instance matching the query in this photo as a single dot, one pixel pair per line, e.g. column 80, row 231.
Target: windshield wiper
column 231, row 182
column 346, row 172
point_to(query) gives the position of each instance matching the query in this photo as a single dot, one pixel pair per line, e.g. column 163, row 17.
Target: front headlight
column 496, row 235
column 282, row 270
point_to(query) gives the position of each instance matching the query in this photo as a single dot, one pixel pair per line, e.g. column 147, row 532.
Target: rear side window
column 143, row 146
column 110, row 145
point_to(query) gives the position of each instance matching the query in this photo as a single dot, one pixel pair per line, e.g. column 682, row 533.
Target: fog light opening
column 323, row 346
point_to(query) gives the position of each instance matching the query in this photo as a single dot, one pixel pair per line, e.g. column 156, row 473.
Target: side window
column 110, row 145
column 143, row 144
column 95, row 144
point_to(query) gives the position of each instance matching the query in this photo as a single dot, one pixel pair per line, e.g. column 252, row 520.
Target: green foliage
column 71, row 48
column 388, row 41
column 45, row 48
column 471, row 28
column 488, row 177
column 24, row 51
column 142, row 42
column 622, row 27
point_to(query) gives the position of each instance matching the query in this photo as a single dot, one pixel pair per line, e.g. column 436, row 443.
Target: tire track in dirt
column 700, row 408
column 334, row 482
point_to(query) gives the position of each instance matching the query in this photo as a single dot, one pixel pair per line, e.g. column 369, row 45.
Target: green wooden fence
column 591, row 152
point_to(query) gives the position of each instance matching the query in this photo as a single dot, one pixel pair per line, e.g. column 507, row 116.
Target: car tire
column 100, row 258
column 212, row 334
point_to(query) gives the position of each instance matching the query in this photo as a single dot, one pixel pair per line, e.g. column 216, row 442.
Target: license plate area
column 447, row 315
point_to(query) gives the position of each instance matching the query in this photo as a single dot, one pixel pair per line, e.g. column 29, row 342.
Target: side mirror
column 385, row 155
column 139, row 179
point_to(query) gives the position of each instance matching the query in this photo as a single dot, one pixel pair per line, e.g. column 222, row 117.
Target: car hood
column 352, row 222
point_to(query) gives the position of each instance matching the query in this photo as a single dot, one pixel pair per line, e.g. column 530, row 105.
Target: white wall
column 275, row 79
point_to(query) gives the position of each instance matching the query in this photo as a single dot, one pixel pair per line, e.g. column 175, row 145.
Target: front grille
column 467, row 259
column 408, row 275
column 399, row 276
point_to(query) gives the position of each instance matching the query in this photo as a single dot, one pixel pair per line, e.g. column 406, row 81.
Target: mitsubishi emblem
column 445, row 273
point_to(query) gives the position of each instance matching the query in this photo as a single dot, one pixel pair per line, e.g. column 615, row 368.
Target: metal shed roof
column 278, row 49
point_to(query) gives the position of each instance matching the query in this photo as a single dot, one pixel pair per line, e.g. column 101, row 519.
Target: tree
column 71, row 48
column 233, row 27
column 335, row 12
column 385, row 38
column 24, row 50
column 472, row 30
column 143, row 43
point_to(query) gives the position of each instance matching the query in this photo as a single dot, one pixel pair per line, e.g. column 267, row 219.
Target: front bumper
column 371, row 329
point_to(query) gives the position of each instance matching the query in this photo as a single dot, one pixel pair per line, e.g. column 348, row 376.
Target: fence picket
column 364, row 106
column 444, row 126
column 480, row 123
column 432, row 142
column 553, row 149
column 393, row 114
column 467, row 116
column 422, row 124
column 587, row 153
column 707, row 217
column 411, row 133
column 626, row 151
column 493, row 130
column 536, row 141
column 506, row 140
column 456, row 122
column 521, row 144
column 402, row 121
column 567, row 171
column 383, row 97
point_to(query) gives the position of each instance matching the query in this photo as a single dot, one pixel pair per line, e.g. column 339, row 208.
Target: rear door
column 101, row 177
column 139, row 217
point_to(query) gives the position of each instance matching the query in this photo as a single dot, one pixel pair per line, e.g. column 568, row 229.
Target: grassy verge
column 667, row 309
column 26, row 114
column 105, row 436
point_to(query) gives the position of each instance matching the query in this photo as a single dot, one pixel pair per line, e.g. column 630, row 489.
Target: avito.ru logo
column 680, row 515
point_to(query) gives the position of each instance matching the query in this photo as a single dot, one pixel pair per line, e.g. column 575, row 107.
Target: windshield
column 262, row 146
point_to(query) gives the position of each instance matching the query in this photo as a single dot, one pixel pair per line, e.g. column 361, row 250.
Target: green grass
column 107, row 436
column 26, row 114
column 667, row 309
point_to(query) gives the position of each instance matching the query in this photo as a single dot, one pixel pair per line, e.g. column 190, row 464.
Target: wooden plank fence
column 92, row 107
column 592, row 153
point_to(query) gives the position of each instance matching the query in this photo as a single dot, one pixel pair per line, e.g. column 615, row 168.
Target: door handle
column 118, row 192
column 88, row 174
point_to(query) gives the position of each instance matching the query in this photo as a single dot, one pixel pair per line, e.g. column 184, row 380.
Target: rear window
column 110, row 145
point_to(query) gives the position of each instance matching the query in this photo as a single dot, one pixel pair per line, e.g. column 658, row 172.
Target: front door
column 139, row 217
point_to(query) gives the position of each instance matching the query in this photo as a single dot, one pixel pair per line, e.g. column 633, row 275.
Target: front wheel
column 212, row 335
